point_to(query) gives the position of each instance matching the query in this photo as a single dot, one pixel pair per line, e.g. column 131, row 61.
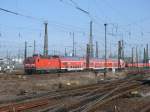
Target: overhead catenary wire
column 92, row 17
column 19, row 14
column 75, row 5
column 79, row 8
column 70, row 27
column 114, row 9
column 52, row 22
column 59, row 25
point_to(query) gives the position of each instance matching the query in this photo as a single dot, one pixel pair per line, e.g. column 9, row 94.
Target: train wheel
column 28, row 72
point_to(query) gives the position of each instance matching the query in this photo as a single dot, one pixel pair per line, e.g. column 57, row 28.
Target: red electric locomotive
column 41, row 64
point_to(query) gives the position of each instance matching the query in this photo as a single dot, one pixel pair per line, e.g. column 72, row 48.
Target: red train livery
column 54, row 63
column 140, row 65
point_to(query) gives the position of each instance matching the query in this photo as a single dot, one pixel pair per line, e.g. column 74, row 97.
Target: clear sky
column 127, row 19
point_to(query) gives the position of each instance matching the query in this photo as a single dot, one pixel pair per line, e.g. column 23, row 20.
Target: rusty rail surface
column 145, row 108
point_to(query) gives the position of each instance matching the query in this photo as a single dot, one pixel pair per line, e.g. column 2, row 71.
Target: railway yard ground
column 75, row 92
column 13, row 86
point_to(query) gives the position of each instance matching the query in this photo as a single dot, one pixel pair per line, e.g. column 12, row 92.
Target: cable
column 118, row 12
column 9, row 11
column 19, row 14
column 83, row 10
column 31, row 17
column 39, row 19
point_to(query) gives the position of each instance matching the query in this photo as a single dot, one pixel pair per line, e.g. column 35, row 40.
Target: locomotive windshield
column 30, row 60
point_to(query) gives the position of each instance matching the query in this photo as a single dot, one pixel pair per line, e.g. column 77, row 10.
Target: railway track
column 48, row 97
column 138, row 71
column 146, row 108
column 85, row 98
column 93, row 102
column 87, row 104
column 115, row 93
